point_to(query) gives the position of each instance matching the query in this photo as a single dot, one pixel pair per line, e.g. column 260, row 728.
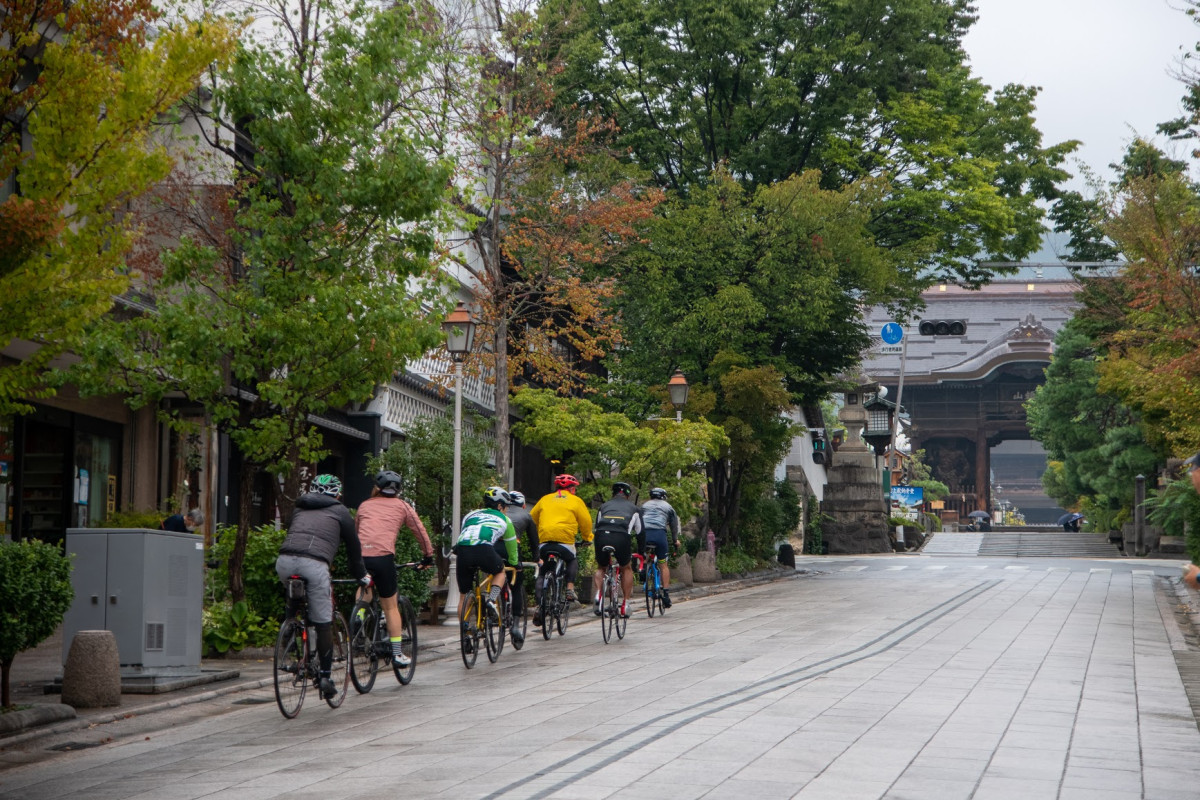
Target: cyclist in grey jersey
column 658, row 520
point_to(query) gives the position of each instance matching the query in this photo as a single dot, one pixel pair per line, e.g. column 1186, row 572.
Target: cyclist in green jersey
column 476, row 548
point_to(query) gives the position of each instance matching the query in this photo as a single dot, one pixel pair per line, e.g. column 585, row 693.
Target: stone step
column 1032, row 545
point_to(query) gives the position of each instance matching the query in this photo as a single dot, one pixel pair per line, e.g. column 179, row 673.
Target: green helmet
column 326, row 484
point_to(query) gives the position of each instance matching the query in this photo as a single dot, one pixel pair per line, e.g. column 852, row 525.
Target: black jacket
column 619, row 515
column 318, row 524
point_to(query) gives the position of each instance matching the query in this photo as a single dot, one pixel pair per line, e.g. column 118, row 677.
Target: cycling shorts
column 383, row 572
column 657, row 537
column 566, row 553
column 619, row 542
column 472, row 557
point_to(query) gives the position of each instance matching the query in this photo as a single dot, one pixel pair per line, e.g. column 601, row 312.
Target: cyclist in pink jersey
column 379, row 521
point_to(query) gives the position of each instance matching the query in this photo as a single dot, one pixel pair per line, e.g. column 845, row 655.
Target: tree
column 867, row 88
column 601, row 446
column 328, row 284
column 35, row 593
column 545, row 202
column 82, row 87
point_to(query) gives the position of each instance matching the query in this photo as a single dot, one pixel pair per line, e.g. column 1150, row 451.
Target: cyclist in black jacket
column 526, row 528
column 617, row 522
column 319, row 523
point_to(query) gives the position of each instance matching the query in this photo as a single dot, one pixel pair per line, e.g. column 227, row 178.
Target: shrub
column 144, row 518
column 234, row 626
column 35, row 593
column 764, row 521
column 733, row 561
column 264, row 593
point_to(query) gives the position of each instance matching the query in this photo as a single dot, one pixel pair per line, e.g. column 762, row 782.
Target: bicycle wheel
column 618, row 601
column 493, row 629
column 548, row 606
column 564, row 607
column 408, row 646
column 520, row 625
column 606, row 609
column 291, row 678
column 651, row 580
column 339, row 668
column 469, row 636
column 364, row 662
column 658, row 591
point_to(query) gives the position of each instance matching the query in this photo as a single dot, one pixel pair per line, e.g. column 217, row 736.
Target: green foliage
column 933, row 490
column 424, row 459
column 908, row 523
column 1171, row 507
column 35, row 593
column 264, row 594
column 769, row 519
column 854, row 90
column 1192, row 542
column 234, row 626
column 735, row 561
column 132, row 518
column 598, row 446
column 814, row 539
column 102, row 88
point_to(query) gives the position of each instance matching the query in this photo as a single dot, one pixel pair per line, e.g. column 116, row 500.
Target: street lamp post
column 678, row 389
column 460, row 336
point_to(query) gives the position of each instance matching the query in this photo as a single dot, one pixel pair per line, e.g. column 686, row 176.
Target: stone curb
column 37, row 715
column 694, row 592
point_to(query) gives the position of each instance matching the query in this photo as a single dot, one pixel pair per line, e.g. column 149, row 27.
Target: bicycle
column 296, row 661
column 652, row 580
column 611, row 617
column 553, row 607
column 370, row 640
column 482, row 625
column 509, row 621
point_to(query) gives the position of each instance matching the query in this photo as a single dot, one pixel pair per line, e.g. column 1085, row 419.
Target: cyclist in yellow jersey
column 559, row 516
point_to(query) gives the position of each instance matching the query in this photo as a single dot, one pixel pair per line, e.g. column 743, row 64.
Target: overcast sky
column 1105, row 66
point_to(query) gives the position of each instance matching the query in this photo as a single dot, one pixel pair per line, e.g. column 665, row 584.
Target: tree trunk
column 237, row 587
column 503, row 448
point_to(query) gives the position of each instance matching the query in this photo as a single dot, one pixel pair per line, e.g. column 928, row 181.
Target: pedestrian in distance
column 379, row 521
column 658, row 521
column 184, row 523
column 318, row 525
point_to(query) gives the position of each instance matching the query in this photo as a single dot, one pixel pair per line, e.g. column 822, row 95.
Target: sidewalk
column 33, row 669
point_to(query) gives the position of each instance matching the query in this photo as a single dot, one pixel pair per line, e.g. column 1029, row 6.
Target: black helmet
column 623, row 488
column 388, row 483
column 496, row 497
column 658, row 494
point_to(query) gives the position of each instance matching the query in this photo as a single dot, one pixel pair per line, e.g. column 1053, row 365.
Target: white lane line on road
column 1018, row 568
column 888, row 569
column 852, row 569
column 1106, row 571
column 936, row 566
column 1143, row 572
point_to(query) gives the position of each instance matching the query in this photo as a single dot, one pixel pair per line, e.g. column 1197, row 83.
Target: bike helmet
column 518, row 499
column 623, row 488
column 496, row 497
column 565, row 481
column 388, row 483
column 326, row 484
column 658, row 494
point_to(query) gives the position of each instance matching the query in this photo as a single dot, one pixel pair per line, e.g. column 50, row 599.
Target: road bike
column 296, row 661
column 485, row 626
column 652, row 581
column 611, row 598
column 509, row 619
column 554, row 609
column 370, row 639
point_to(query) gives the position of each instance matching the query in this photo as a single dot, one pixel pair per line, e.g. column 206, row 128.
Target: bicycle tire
column 364, row 661
column 408, row 646
column 564, row 607
column 468, row 637
column 606, row 609
column 291, row 675
column 618, row 601
column 651, row 580
column 520, row 624
column 658, row 591
column 547, row 606
column 493, row 630
column 339, row 667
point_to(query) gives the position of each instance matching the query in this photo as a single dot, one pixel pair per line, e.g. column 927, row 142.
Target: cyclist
column 617, row 521
column 559, row 516
column 379, row 521
column 524, row 525
column 658, row 517
column 317, row 525
column 476, row 549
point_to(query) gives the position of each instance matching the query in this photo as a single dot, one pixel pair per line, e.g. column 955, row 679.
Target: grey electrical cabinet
column 145, row 586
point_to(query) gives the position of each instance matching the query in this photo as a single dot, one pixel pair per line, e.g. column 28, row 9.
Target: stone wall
column 856, row 512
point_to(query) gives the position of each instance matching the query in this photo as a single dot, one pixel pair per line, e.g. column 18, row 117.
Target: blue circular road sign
column 892, row 333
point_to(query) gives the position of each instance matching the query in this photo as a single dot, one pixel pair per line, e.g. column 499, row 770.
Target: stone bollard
column 787, row 555
column 681, row 573
column 704, row 568
column 92, row 674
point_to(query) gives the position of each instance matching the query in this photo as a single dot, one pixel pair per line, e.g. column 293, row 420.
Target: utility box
column 145, row 586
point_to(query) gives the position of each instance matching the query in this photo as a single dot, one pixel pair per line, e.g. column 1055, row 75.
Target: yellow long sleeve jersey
column 559, row 515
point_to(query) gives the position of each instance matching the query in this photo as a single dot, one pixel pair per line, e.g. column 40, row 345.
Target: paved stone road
column 893, row 677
